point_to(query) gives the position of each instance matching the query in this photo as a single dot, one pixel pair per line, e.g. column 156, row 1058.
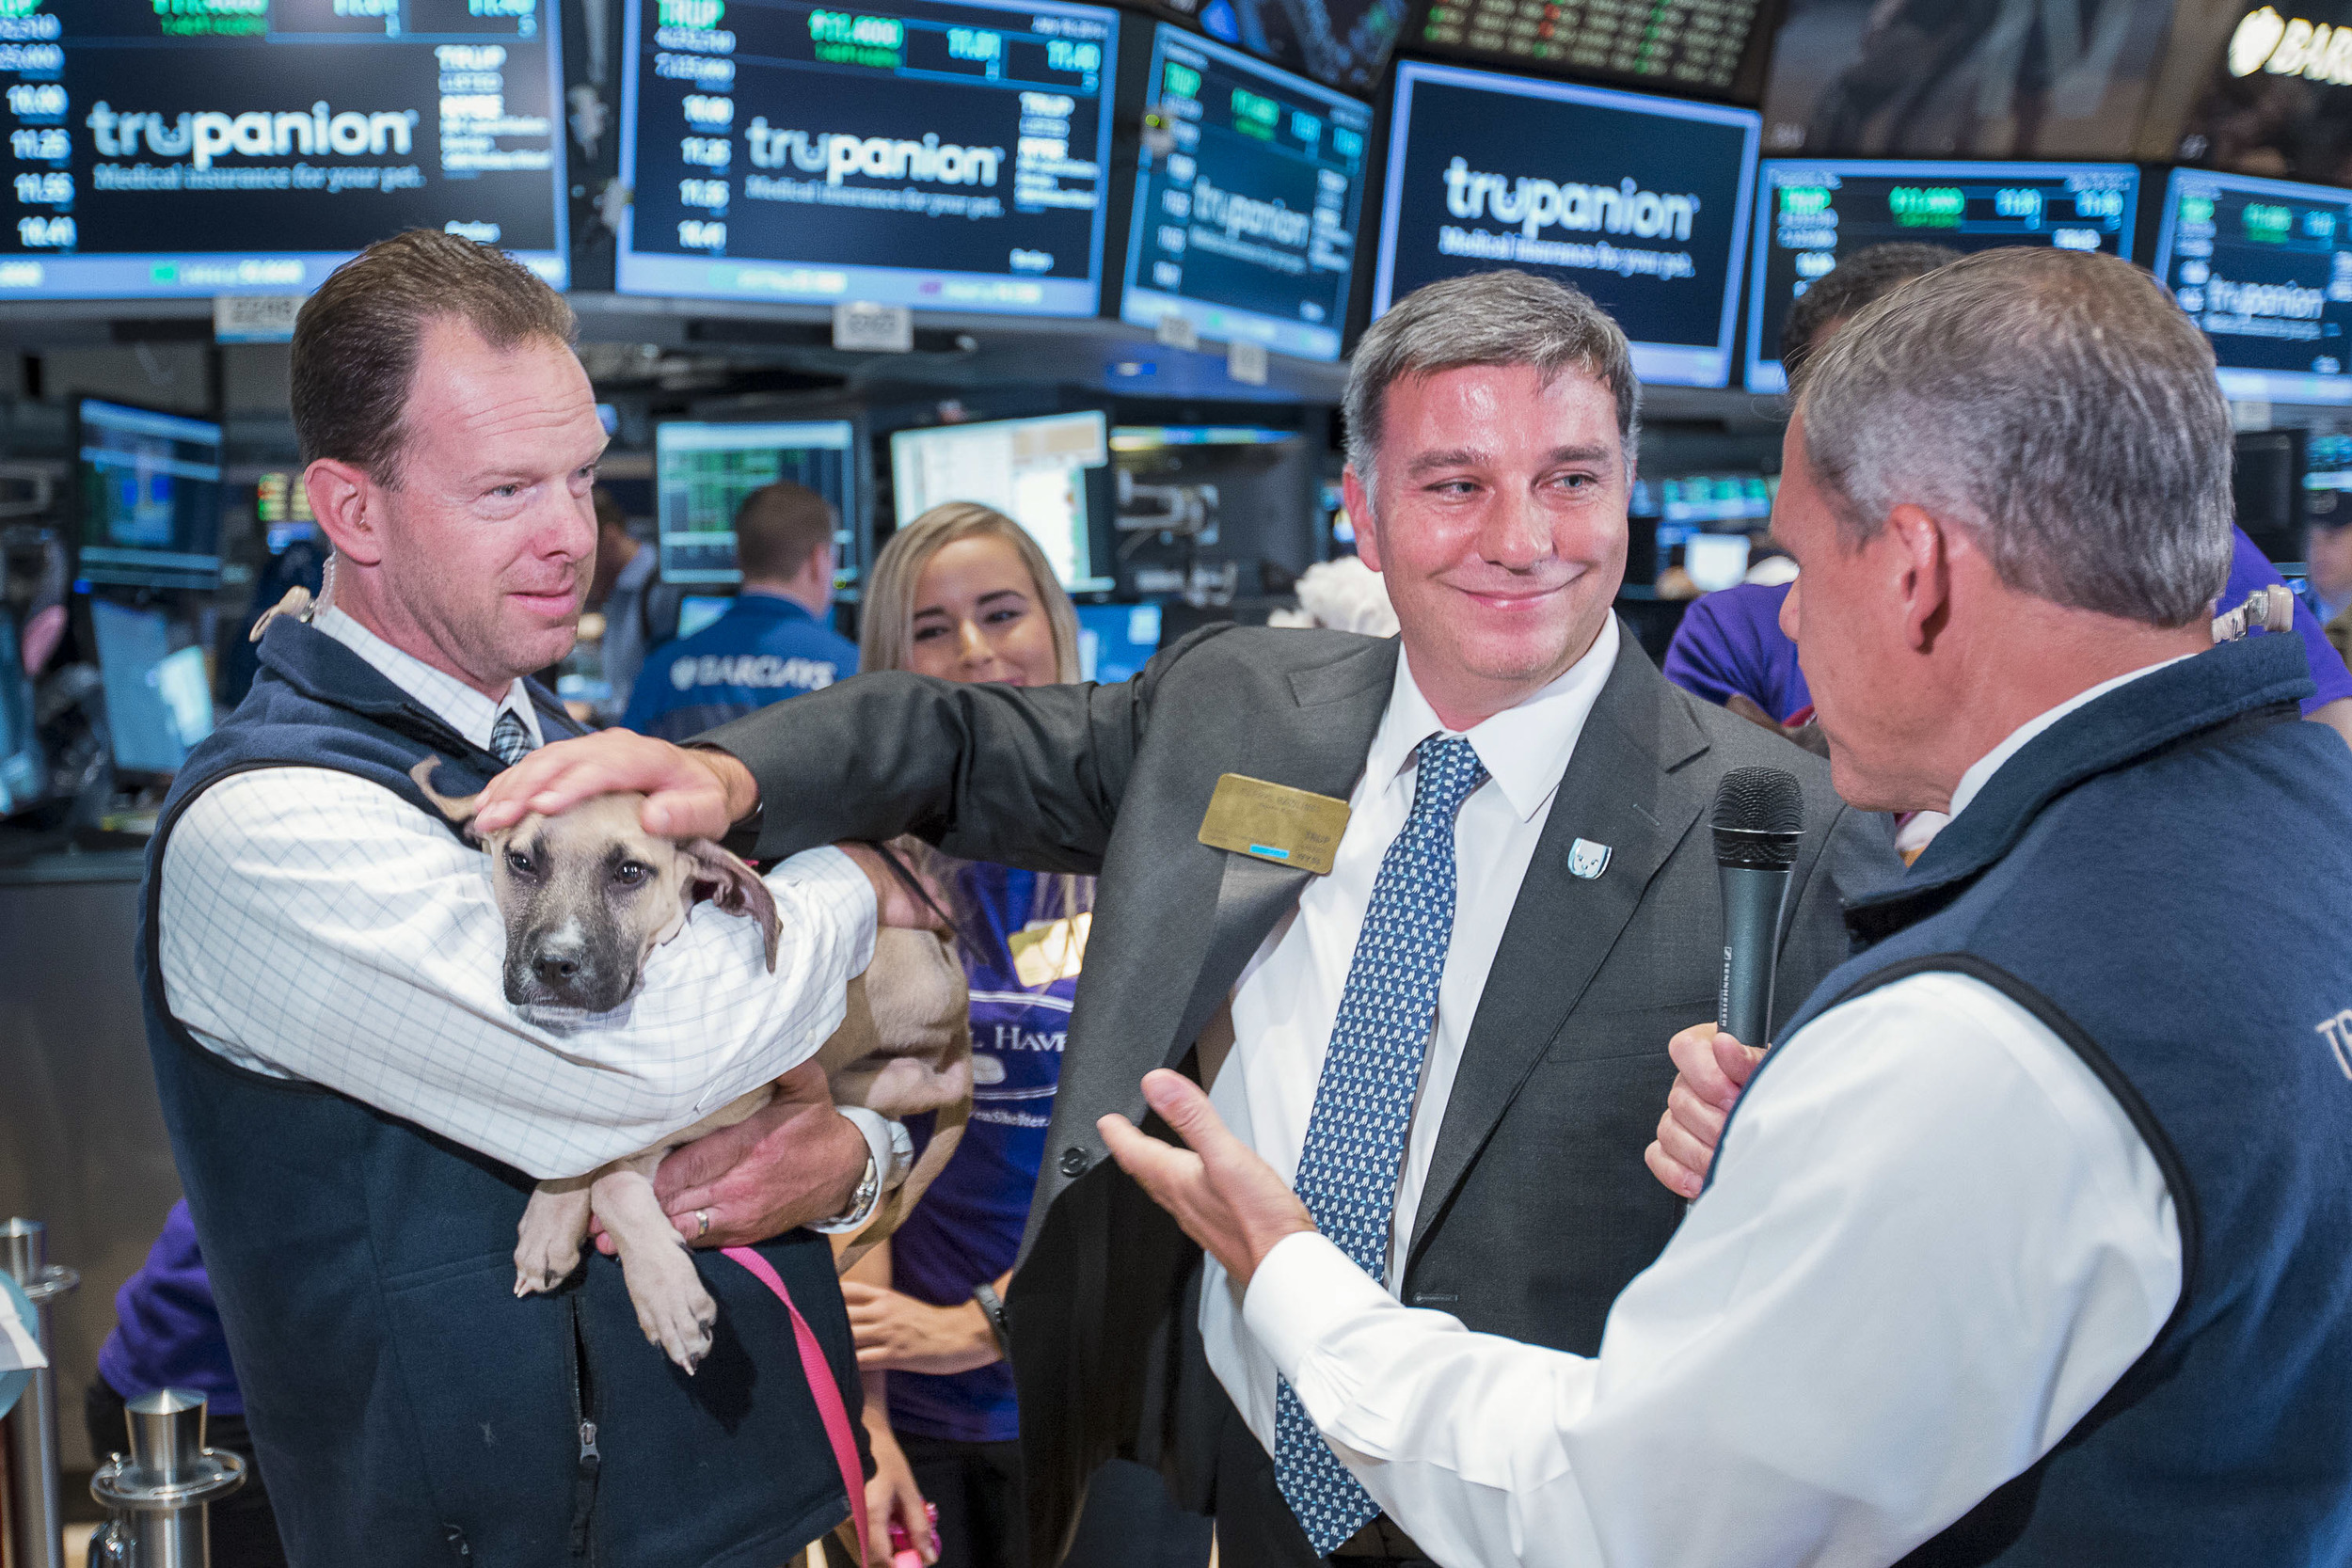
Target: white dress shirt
column 316, row 925
column 1933, row 1243
column 1288, row 998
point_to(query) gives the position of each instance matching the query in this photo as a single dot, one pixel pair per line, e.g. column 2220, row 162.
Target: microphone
column 1759, row 822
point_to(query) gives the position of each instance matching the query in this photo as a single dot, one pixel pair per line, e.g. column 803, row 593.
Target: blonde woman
column 964, row 594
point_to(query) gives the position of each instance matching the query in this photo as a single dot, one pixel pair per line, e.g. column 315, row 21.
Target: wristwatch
column 860, row 1202
column 993, row 1307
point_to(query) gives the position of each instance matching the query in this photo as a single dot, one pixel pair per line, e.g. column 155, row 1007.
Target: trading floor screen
column 1687, row 45
column 207, row 146
column 702, row 473
column 1244, row 218
column 944, row 156
column 1815, row 213
column 2265, row 268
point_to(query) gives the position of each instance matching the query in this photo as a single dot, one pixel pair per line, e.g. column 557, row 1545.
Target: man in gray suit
column 1428, row 961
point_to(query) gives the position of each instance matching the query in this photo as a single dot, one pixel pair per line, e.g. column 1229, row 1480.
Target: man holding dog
column 358, row 1111
column 2026, row 1243
column 1423, row 912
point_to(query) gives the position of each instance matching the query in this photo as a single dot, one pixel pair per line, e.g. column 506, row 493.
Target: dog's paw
column 672, row 1308
column 545, row 1255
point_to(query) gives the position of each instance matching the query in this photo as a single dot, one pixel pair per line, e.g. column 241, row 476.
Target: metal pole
column 160, row 1498
column 32, row 1539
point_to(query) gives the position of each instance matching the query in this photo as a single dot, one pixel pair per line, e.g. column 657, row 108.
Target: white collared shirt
column 1933, row 1243
column 463, row 709
column 316, row 925
column 1288, row 997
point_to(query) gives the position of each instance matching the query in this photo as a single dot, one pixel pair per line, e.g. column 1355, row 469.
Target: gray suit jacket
column 1537, row 1208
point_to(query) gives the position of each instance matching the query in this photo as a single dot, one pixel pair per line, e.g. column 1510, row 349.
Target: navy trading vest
column 2161, row 877
column 407, row 1408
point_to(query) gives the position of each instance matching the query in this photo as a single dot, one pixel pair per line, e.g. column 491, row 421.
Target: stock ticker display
column 2265, row 266
column 1692, row 46
column 1641, row 202
column 167, row 148
column 945, row 156
column 1246, row 199
column 1816, row 213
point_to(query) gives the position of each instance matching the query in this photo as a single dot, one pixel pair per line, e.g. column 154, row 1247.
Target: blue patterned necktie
column 1354, row 1145
column 510, row 737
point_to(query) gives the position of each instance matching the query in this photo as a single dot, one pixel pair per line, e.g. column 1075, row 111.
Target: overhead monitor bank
column 1641, row 202
column 945, row 156
column 161, row 150
column 2265, row 268
column 1247, row 196
column 1813, row 212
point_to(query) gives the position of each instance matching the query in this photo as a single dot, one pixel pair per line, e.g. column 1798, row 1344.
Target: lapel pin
column 1587, row 859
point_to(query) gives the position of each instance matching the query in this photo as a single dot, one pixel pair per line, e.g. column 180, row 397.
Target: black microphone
column 1759, row 822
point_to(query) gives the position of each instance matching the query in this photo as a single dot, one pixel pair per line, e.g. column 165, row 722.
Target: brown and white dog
column 586, row 897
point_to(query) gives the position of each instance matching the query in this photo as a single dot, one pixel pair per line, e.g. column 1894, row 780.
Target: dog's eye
column 628, row 872
column 518, row 861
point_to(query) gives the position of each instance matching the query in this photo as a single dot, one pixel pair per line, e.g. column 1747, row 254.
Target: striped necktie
column 1355, row 1143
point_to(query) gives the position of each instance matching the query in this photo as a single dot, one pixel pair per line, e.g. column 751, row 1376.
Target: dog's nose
column 556, row 968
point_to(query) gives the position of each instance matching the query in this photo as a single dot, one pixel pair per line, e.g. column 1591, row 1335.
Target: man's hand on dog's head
column 689, row 793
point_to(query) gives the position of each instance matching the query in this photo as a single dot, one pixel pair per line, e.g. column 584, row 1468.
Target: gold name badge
column 1274, row 822
column 1048, row 950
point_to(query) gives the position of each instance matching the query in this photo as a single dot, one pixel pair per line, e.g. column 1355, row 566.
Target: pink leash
column 820, row 1383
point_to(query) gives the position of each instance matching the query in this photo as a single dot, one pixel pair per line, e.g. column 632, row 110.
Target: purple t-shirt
column 168, row 1331
column 1730, row 640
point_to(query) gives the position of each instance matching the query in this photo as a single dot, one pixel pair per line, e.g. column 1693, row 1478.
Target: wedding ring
column 701, row 1219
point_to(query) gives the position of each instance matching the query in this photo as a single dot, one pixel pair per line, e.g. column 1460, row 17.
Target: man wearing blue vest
column 358, row 1113
column 2025, row 1245
column 773, row 642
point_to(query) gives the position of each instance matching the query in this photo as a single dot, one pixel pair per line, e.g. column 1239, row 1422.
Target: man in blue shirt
column 773, row 642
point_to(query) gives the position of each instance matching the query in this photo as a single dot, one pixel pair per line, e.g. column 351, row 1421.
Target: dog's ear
column 459, row 810
column 736, row 888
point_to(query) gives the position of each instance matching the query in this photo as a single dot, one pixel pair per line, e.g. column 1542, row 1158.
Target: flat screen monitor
column 23, row 770
column 943, row 156
column 1246, row 200
column 205, row 149
column 1034, row 471
column 148, row 496
column 1814, row 212
column 159, row 698
column 702, row 472
column 1711, row 47
column 2265, row 268
column 1342, row 44
column 1116, row 641
column 1641, row 202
